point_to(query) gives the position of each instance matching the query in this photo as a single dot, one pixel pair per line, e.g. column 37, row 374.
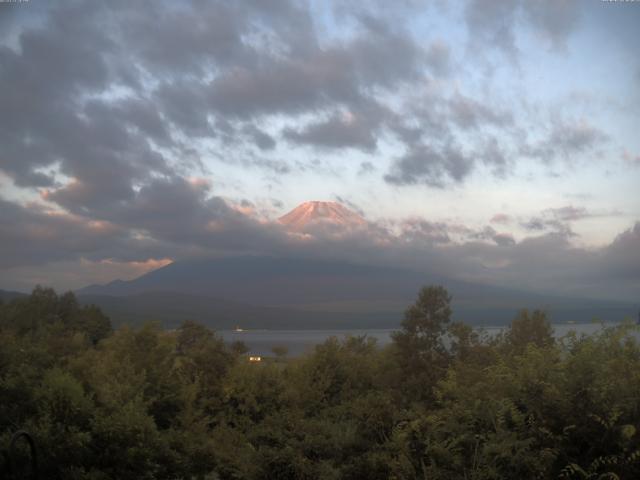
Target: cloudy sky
column 489, row 140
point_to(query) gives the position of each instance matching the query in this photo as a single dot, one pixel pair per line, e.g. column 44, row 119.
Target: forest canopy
column 442, row 401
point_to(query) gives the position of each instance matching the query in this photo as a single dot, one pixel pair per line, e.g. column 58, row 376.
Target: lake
column 299, row 342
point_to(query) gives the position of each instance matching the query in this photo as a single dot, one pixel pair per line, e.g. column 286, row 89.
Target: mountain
column 279, row 292
column 311, row 214
column 286, row 292
column 171, row 309
column 8, row 295
column 272, row 281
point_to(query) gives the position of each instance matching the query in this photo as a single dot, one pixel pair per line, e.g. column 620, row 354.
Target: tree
column 422, row 354
column 203, row 359
column 238, row 347
column 280, row 351
column 529, row 328
column 91, row 321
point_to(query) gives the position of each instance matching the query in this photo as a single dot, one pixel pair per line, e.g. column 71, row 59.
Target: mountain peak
column 317, row 212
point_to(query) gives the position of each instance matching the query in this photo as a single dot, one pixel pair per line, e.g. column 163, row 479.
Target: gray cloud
column 366, row 168
column 167, row 217
column 569, row 213
column 428, row 166
column 89, row 86
column 262, row 140
column 489, row 233
column 504, row 239
column 36, row 106
column 421, row 230
column 555, row 20
column 275, row 166
column 184, row 105
column 316, row 76
column 183, row 215
column 96, row 85
column 494, row 22
column 338, row 131
column 33, row 235
column 438, row 57
column 566, row 140
column 469, row 113
column 491, row 22
column 542, row 224
column 434, row 126
column 559, row 219
column 201, row 33
column 576, row 138
column 495, row 157
column 553, row 264
column 621, row 257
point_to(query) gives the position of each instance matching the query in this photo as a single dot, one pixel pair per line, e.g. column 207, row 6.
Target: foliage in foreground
column 441, row 402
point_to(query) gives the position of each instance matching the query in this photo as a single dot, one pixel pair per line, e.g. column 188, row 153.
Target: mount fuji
column 309, row 214
column 290, row 292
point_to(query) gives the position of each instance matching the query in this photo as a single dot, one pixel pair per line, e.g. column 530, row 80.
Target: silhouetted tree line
column 441, row 402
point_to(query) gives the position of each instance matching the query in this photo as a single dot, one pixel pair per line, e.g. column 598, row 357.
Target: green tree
column 280, row 351
column 91, row 321
column 421, row 351
column 529, row 328
column 238, row 347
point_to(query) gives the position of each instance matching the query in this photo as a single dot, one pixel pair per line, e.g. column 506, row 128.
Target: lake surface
column 299, row 342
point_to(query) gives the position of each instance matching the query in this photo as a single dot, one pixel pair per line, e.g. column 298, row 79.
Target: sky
column 487, row 140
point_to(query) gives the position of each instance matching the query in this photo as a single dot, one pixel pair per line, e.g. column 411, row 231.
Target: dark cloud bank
column 98, row 101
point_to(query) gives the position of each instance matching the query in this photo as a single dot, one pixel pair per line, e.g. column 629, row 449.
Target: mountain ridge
column 336, row 291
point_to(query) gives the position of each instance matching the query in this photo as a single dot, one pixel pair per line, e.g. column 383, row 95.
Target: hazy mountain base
column 171, row 309
column 293, row 293
column 150, row 404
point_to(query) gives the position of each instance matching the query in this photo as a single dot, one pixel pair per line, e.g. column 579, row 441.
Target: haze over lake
column 299, row 342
